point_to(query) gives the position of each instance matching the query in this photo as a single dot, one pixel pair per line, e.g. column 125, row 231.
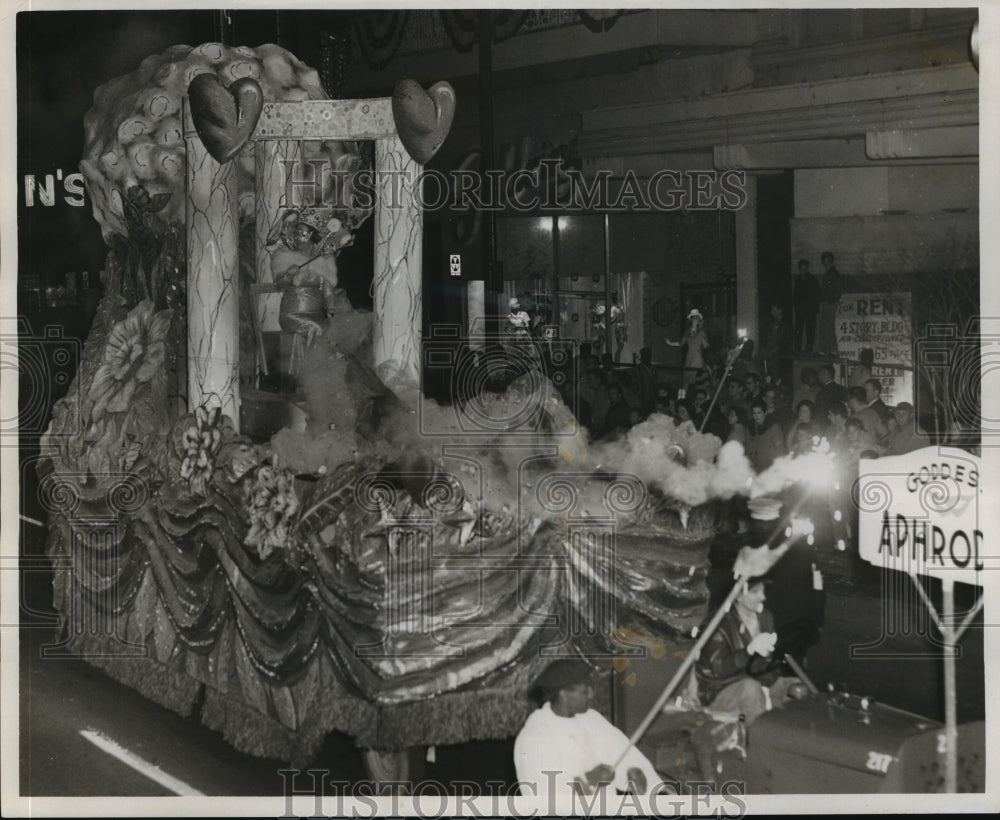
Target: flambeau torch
column 730, row 361
column 750, row 563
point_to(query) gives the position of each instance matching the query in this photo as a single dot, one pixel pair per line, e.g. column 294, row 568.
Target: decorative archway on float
column 212, row 231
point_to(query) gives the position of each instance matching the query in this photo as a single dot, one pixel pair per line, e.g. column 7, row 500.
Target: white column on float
column 398, row 258
column 212, row 217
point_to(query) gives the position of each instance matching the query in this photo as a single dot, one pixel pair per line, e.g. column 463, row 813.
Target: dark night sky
column 62, row 58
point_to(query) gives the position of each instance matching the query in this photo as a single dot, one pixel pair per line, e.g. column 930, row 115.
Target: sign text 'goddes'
column 920, row 513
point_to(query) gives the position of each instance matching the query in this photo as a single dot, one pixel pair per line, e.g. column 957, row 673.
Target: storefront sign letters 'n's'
column 44, row 189
column 921, row 513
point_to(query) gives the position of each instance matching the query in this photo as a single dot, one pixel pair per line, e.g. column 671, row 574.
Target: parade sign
column 880, row 321
column 920, row 513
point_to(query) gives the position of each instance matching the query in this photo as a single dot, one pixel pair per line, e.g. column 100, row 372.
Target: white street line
column 144, row 767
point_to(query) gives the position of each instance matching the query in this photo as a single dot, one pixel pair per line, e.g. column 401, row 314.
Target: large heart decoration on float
column 423, row 118
column 225, row 117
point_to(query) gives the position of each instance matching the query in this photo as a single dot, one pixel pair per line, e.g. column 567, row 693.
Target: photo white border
column 13, row 805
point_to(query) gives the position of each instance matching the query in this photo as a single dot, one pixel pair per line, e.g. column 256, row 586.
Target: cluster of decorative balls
column 134, row 135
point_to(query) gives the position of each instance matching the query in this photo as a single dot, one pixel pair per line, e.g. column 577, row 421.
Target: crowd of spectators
column 767, row 417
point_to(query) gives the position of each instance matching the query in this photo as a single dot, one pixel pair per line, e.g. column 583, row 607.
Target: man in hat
column 566, row 747
column 798, row 603
column 862, row 371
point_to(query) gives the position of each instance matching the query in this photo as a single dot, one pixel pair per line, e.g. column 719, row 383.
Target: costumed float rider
column 565, row 747
column 303, row 249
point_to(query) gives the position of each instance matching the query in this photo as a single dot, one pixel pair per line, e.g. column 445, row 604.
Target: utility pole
column 224, row 27
column 493, row 281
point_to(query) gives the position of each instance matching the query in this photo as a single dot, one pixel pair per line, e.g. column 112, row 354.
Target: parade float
column 333, row 552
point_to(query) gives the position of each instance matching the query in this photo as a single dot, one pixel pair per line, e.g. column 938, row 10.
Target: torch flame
column 754, row 561
column 801, row 526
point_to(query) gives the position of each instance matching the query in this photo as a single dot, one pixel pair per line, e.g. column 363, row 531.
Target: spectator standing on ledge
column 805, row 301
column 829, row 297
column 697, row 343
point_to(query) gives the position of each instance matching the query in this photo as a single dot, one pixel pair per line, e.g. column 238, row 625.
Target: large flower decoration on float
column 200, row 443
column 133, row 353
column 271, row 504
